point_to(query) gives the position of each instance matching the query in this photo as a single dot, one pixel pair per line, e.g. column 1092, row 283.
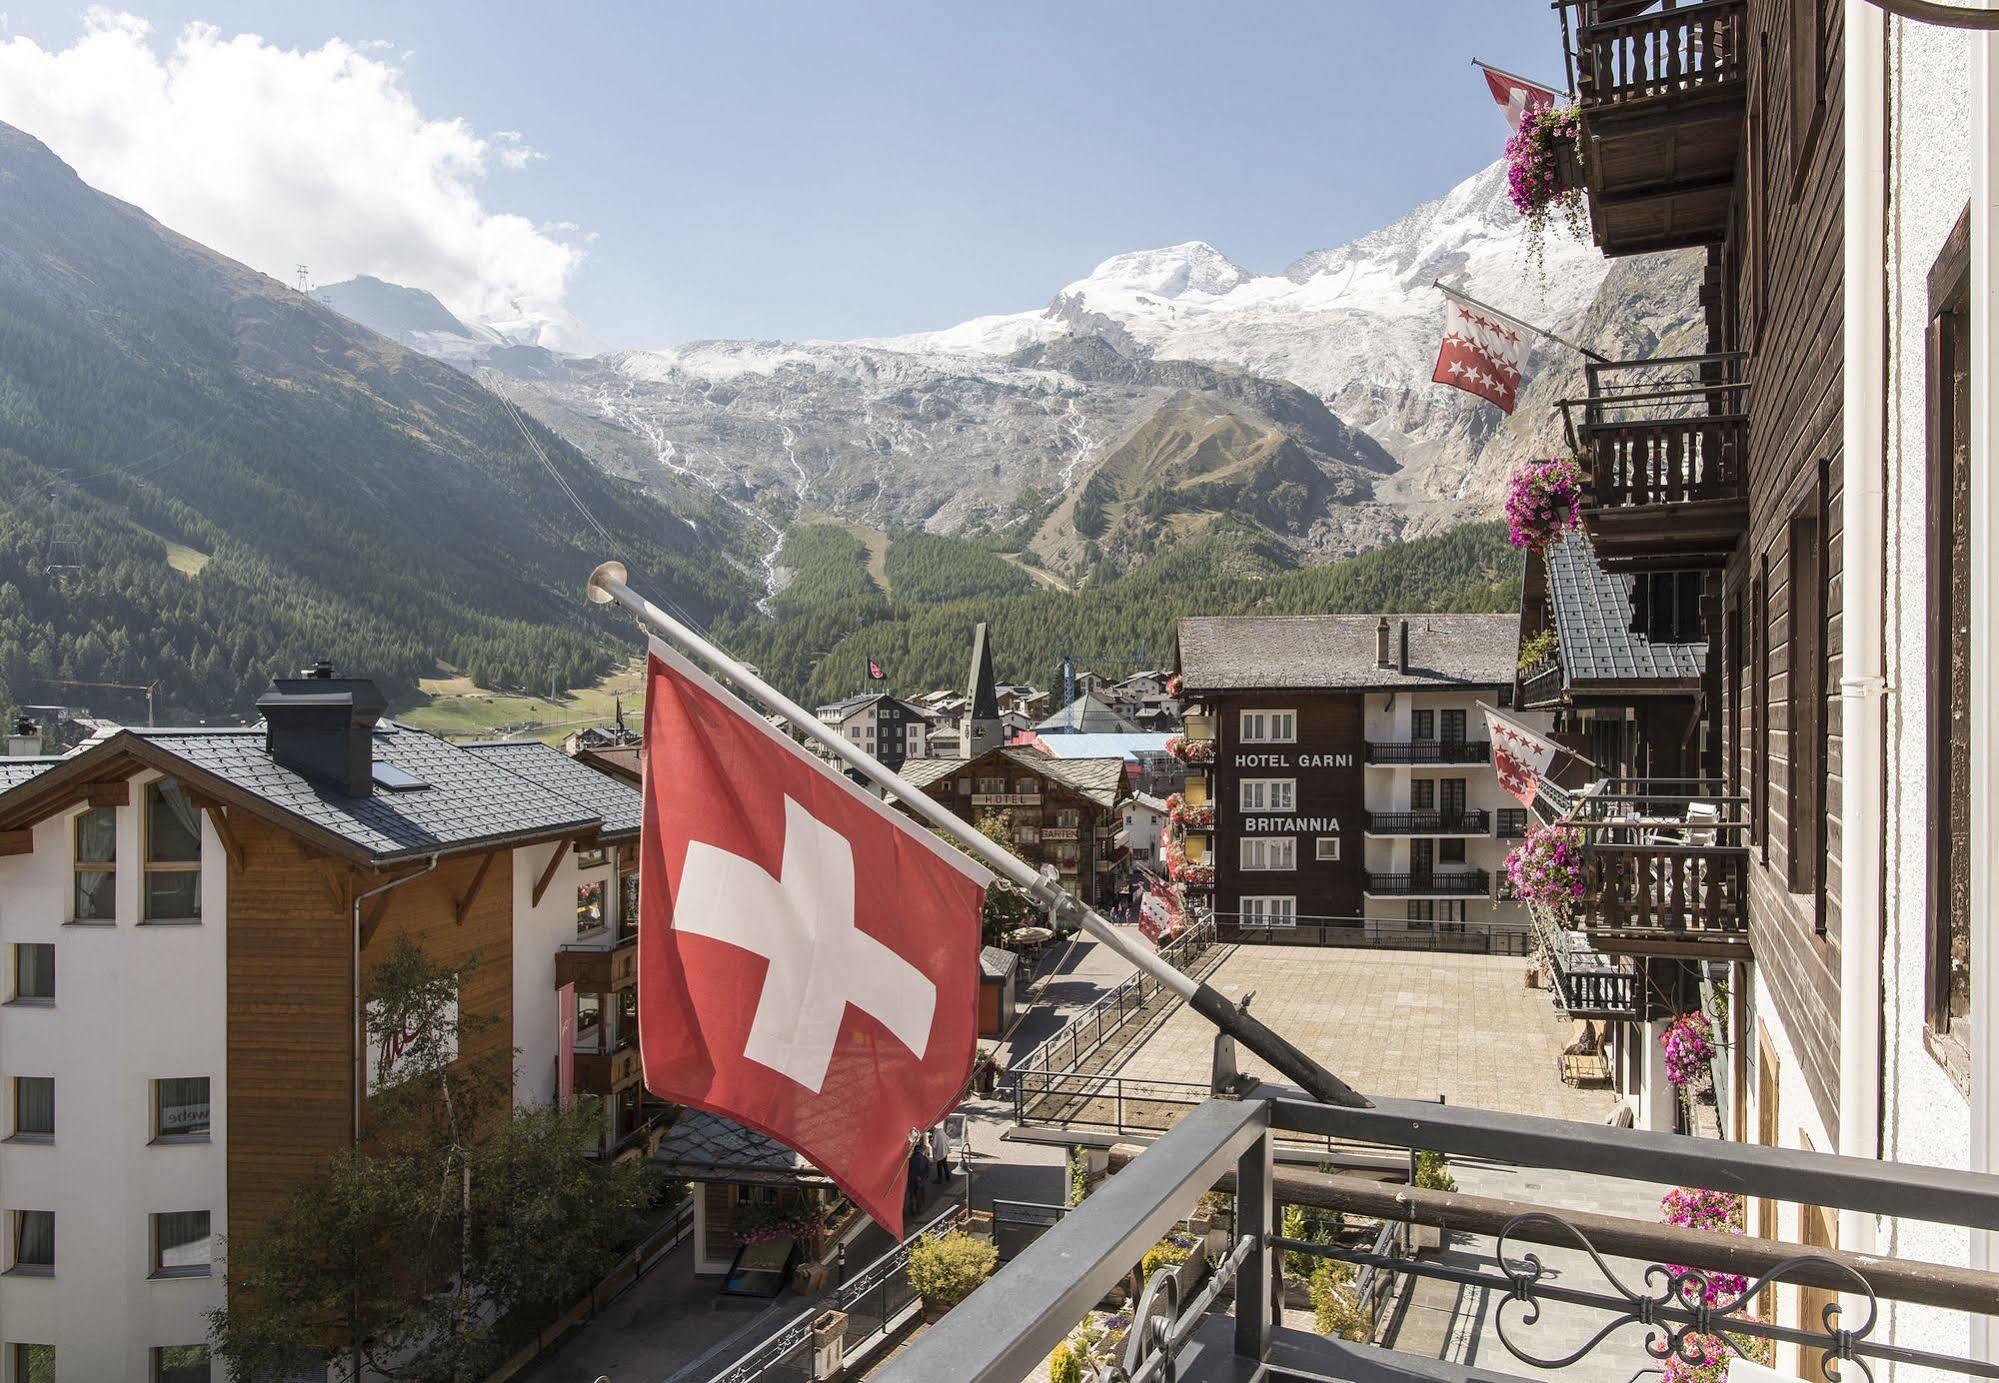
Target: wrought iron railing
column 1460, row 883
column 1429, row 823
column 1681, row 1290
column 1375, row 933
column 1677, row 47
column 876, row 1301
column 1429, row 751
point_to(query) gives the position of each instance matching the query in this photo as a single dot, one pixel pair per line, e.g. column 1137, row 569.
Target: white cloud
column 282, row 157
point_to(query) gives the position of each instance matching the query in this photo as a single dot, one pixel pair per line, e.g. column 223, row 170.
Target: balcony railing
column 1605, row 1280
column 1429, row 752
column 1428, row 823
column 1667, row 51
column 1541, row 684
column 1460, row 883
column 1665, row 867
column 1666, row 444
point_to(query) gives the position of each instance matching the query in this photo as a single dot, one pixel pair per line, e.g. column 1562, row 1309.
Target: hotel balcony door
column 1454, row 727
column 1422, row 860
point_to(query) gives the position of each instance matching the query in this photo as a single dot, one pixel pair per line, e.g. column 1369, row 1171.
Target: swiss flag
column 1520, row 758
column 808, row 961
column 1481, row 353
column 1516, row 95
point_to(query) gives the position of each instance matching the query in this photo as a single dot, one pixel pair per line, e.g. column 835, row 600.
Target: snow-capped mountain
column 418, row 320
column 1165, row 385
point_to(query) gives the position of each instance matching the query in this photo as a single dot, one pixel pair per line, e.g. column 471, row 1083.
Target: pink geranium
column 1546, row 867
column 1543, row 501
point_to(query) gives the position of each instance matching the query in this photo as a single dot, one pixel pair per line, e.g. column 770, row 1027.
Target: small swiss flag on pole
column 1481, row 352
column 808, row 958
column 1520, row 758
column 1515, row 95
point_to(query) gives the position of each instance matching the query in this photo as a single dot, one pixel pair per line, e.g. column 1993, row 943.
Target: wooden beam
column 230, row 846
column 117, row 793
column 20, row 842
column 464, row 905
column 372, row 915
column 338, row 883
column 548, row 873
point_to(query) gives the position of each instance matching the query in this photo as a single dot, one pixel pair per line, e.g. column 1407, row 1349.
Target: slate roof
column 997, row 964
column 706, row 1147
column 1127, row 747
column 1088, row 714
column 14, row 771
column 619, row 806
column 468, row 801
column 1100, row 780
column 1592, row 611
column 1331, row 652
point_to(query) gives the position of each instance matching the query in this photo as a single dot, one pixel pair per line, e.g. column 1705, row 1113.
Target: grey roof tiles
column 1592, row 611
column 1320, row 652
column 618, row 805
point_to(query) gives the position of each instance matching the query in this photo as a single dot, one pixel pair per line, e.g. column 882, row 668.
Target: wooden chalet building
column 1340, row 788
column 1060, row 812
column 1826, row 862
column 190, row 918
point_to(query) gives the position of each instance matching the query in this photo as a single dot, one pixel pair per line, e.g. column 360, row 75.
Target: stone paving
column 1414, row 1024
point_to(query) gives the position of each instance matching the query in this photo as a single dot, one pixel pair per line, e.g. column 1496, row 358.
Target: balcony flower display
column 1543, row 501
column 1704, row 1358
column 1542, row 163
column 1688, row 1043
column 1194, row 875
column 1191, row 751
column 1176, row 685
column 1184, row 814
column 1546, row 867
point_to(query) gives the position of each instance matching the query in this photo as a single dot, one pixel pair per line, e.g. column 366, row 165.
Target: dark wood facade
column 1048, row 821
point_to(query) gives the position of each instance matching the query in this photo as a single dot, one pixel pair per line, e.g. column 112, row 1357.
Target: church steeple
column 982, row 728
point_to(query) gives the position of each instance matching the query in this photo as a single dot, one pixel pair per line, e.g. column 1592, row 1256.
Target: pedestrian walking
column 940, row 1153
column 919, row 1176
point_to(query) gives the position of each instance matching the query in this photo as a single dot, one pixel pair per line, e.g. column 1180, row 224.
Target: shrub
column 1538, row 648
column 1432, row 1174
column 1171, row 1251
column 1308, row 1224
column 1064, row 1366
column 1336, row 1311
column 945, row 1269
column 1079, row 1175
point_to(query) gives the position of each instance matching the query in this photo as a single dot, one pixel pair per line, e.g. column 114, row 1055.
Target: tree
column 460, row 1224
column 1007, row 906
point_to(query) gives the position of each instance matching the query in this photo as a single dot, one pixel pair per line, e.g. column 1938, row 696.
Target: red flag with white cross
column 1516, row 95
column 1481, row 353
column 808, row 957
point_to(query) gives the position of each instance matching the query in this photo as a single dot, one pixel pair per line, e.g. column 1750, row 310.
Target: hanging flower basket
column 1193, row 875
column 1176, row 685
column 1191, row 751
column 1688, row 1042
column 1543, row 501
column 1544, row 175
column 1546, row 867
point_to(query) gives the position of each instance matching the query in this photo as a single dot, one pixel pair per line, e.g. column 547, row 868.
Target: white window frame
column 1269, row 727
column 1267, row 910
column 1319, row 852
column 1269, row 854
column 1266, row 795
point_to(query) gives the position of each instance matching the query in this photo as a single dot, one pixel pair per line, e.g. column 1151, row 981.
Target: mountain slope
column 353, row 499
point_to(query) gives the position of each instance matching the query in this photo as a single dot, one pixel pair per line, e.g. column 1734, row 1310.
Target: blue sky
column 835, row 170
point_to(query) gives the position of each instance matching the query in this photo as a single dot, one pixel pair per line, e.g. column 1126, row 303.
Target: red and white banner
column 1160, row 914
column 808, row 957
column 1481, row 353
column 1520, row 757
column 1516, row 95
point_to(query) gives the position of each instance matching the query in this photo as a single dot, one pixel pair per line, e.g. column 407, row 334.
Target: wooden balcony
column 1665, row 869
column 1665, row 442
column 1660, row 88
column 602, row 969
column 606, row 1073
column 1392, row 753
column 1457, row 883
column 1541, row 685
column 1428, row 823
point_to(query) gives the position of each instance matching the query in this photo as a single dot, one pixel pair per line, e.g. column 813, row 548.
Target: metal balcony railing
column 1459, row 883
column 1662, row 1288
column 1429, row 752
column 1429, row 823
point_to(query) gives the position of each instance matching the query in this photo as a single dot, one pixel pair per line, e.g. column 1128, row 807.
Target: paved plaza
column 1415, row 1024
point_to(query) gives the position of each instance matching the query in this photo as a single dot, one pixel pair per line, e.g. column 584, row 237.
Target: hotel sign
column 1006, row 799
column 1306, row 760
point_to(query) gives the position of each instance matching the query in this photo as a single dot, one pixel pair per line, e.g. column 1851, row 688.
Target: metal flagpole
column 1445, row 288
column 1524, row 81
column 607, row 584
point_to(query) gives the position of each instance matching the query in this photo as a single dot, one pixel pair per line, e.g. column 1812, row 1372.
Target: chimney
column 25, row 739
column 1381, row 643
column 1402, row 652
column 323, row 727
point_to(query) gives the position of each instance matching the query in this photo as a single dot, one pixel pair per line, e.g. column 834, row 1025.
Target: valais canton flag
column 808, row 960
column 1481, row 353
column 1520, row 758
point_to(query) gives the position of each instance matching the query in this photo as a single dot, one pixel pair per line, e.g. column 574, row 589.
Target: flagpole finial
column 606, row 571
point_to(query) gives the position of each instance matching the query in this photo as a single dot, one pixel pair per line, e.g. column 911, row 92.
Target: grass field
column 456, row 708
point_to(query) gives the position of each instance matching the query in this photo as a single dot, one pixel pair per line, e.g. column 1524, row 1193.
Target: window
column 1948, row 987
column 34, row 972
column 1454, row 727
column 1451, row 796
column 96, row 865
column 1422, row 725
column 1422, row 909
column 180, row 1244
column 628, row 904
column 1451, row 850
column 1269, row 852
column 173, row 854
column 1512, row 823
column 1422, row 794
column 1268, row 912
column 180, row 1364
column 589, row 1022
column 35, row 1107
column 1269, row 727
column 34, row 1363
column 1326, row 848
column 589, row 907
column 1069, row 819
column 992, row 787
column 1804, row 750
column 964, row 785
column 34, row 1241
column 1028, row 835
column 1268, row 794
column 592, row 859
column 180, row 1109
